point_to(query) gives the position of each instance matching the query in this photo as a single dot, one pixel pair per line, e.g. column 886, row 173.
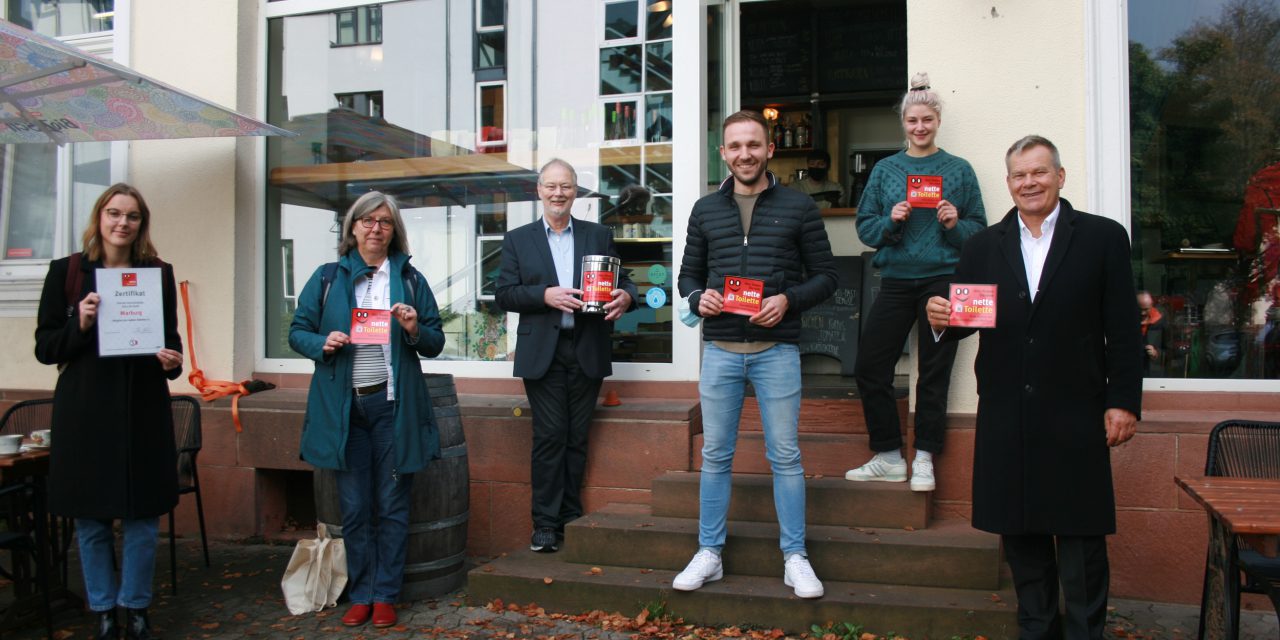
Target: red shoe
column 357, row 615
column 384, row 615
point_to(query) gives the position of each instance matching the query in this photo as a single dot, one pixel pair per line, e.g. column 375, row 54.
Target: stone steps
column 916, row 612
column 828, row 501
column 951, row 554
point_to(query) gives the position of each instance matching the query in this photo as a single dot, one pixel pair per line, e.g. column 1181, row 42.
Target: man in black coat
column 1059, row 382
column 562, row 354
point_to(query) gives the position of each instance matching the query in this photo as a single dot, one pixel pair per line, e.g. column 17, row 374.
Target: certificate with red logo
column 973, row 305
column 130, row 313
column 370, row 326
column 924, row 192
column 742, row 295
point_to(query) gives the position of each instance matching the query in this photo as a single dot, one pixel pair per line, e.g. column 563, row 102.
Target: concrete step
column 950, row 554
column 828, row 501
column 915, row 612
column 822, row 454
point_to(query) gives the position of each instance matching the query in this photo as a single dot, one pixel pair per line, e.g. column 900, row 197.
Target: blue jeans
column 137, row 566
column 375, row 503
column 775, row 375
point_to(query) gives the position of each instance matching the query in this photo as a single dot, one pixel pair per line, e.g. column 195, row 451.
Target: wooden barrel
column 441, row 501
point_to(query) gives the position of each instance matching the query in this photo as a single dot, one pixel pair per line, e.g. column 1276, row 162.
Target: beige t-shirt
column 746, row 207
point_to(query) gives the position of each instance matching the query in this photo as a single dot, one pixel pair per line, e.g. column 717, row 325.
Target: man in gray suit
column 563, row 355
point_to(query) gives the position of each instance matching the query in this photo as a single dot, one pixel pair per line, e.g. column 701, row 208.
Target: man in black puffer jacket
column 756, row 256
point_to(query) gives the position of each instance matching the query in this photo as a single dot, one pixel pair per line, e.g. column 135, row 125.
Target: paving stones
column 239, row 597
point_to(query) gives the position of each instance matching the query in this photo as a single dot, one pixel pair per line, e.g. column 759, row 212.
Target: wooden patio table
column 32, row 465
column 1241, row 511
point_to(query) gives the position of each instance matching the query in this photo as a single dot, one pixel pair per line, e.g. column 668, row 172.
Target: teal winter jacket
column 325, row 428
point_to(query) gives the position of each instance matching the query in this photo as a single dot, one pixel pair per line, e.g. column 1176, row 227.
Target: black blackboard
column 863, row 48
column 776, row 54
column 831, row 328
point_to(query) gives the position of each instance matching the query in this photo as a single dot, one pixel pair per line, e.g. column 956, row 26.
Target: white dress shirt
column 1035, row 250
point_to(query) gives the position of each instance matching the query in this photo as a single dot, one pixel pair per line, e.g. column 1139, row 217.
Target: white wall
column 1005, row 69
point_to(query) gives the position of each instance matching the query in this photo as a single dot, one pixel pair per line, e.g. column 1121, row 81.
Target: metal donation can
column 599, row 278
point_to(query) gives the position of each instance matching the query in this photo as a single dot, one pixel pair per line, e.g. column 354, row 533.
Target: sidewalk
column 239, row 597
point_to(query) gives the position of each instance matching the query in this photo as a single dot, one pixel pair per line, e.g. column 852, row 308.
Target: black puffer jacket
column 787, row 248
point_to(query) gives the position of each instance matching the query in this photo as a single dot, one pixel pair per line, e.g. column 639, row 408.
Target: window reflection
column 1205, row 169
column 458, row 143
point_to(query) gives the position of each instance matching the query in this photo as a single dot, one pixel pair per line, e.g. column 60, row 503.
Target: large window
column 46, row 191
column 61, row 18
column 635, row 165
column 460, row 145
column 1205, row 170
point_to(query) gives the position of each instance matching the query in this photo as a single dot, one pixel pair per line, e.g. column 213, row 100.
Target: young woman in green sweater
column 917, row 247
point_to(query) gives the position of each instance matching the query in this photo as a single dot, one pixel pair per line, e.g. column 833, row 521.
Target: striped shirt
column 372, row 363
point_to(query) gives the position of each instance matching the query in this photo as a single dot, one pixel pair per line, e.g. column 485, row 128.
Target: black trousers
column 563, row 401
column 1079, row 563
column 898, row 307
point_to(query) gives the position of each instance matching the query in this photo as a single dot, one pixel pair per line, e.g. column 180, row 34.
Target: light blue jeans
column 137, row 565
column 775, row 375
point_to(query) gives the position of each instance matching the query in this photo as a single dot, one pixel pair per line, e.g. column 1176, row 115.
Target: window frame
column 361, row 39
column 480, row 87
column 497, row 71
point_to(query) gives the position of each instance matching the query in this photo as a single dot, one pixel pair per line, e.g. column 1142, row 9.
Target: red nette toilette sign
column 742, row 295
column 924, row 192
column 973, row 305
column 370, row 326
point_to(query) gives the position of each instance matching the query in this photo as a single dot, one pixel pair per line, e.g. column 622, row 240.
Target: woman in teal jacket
column 368, row 412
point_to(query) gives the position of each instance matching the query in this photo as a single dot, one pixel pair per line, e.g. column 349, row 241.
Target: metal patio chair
column 187, row 437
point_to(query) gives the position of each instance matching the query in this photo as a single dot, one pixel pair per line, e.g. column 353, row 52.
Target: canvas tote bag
column 316, row 574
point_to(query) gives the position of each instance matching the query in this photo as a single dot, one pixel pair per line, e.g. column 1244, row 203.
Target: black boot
column 137, row 625
column 107, row 628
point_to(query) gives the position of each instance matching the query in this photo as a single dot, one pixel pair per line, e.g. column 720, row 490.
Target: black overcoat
column 113, row 449
column 1047, row 374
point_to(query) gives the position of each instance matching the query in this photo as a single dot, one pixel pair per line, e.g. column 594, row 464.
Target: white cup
column 42, row 437
column 10, row 444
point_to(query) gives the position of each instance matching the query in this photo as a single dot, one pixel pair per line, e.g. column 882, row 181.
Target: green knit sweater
column 919, row 247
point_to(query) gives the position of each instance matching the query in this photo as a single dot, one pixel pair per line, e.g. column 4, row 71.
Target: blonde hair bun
column 919, row 82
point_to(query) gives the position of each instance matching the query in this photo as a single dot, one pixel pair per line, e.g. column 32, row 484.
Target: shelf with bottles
column 790, row 132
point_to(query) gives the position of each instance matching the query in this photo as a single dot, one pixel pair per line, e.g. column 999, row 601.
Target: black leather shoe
column 137, row 625
column 107, row 627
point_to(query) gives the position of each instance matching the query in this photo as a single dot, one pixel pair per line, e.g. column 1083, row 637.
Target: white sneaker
column 704, row 567
column 922, row 475
column 879, row 469
column 798, row 574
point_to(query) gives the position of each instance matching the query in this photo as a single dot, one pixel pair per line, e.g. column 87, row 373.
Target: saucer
column 11, row 455
column 32, row 445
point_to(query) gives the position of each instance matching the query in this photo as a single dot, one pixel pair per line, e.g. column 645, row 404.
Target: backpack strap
column 74, row 283
column 327, row 276
column 410, row 286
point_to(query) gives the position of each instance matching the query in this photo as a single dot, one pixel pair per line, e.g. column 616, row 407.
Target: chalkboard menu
column 831, row 328
column 776, row 54
column 862, row 48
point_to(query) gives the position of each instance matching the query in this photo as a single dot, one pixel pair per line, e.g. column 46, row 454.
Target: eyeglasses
column 559, row 188
column 386, row 223
column 132, row 218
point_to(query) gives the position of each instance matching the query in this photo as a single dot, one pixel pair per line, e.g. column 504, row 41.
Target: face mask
column 686, row 314
column 818, row 173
